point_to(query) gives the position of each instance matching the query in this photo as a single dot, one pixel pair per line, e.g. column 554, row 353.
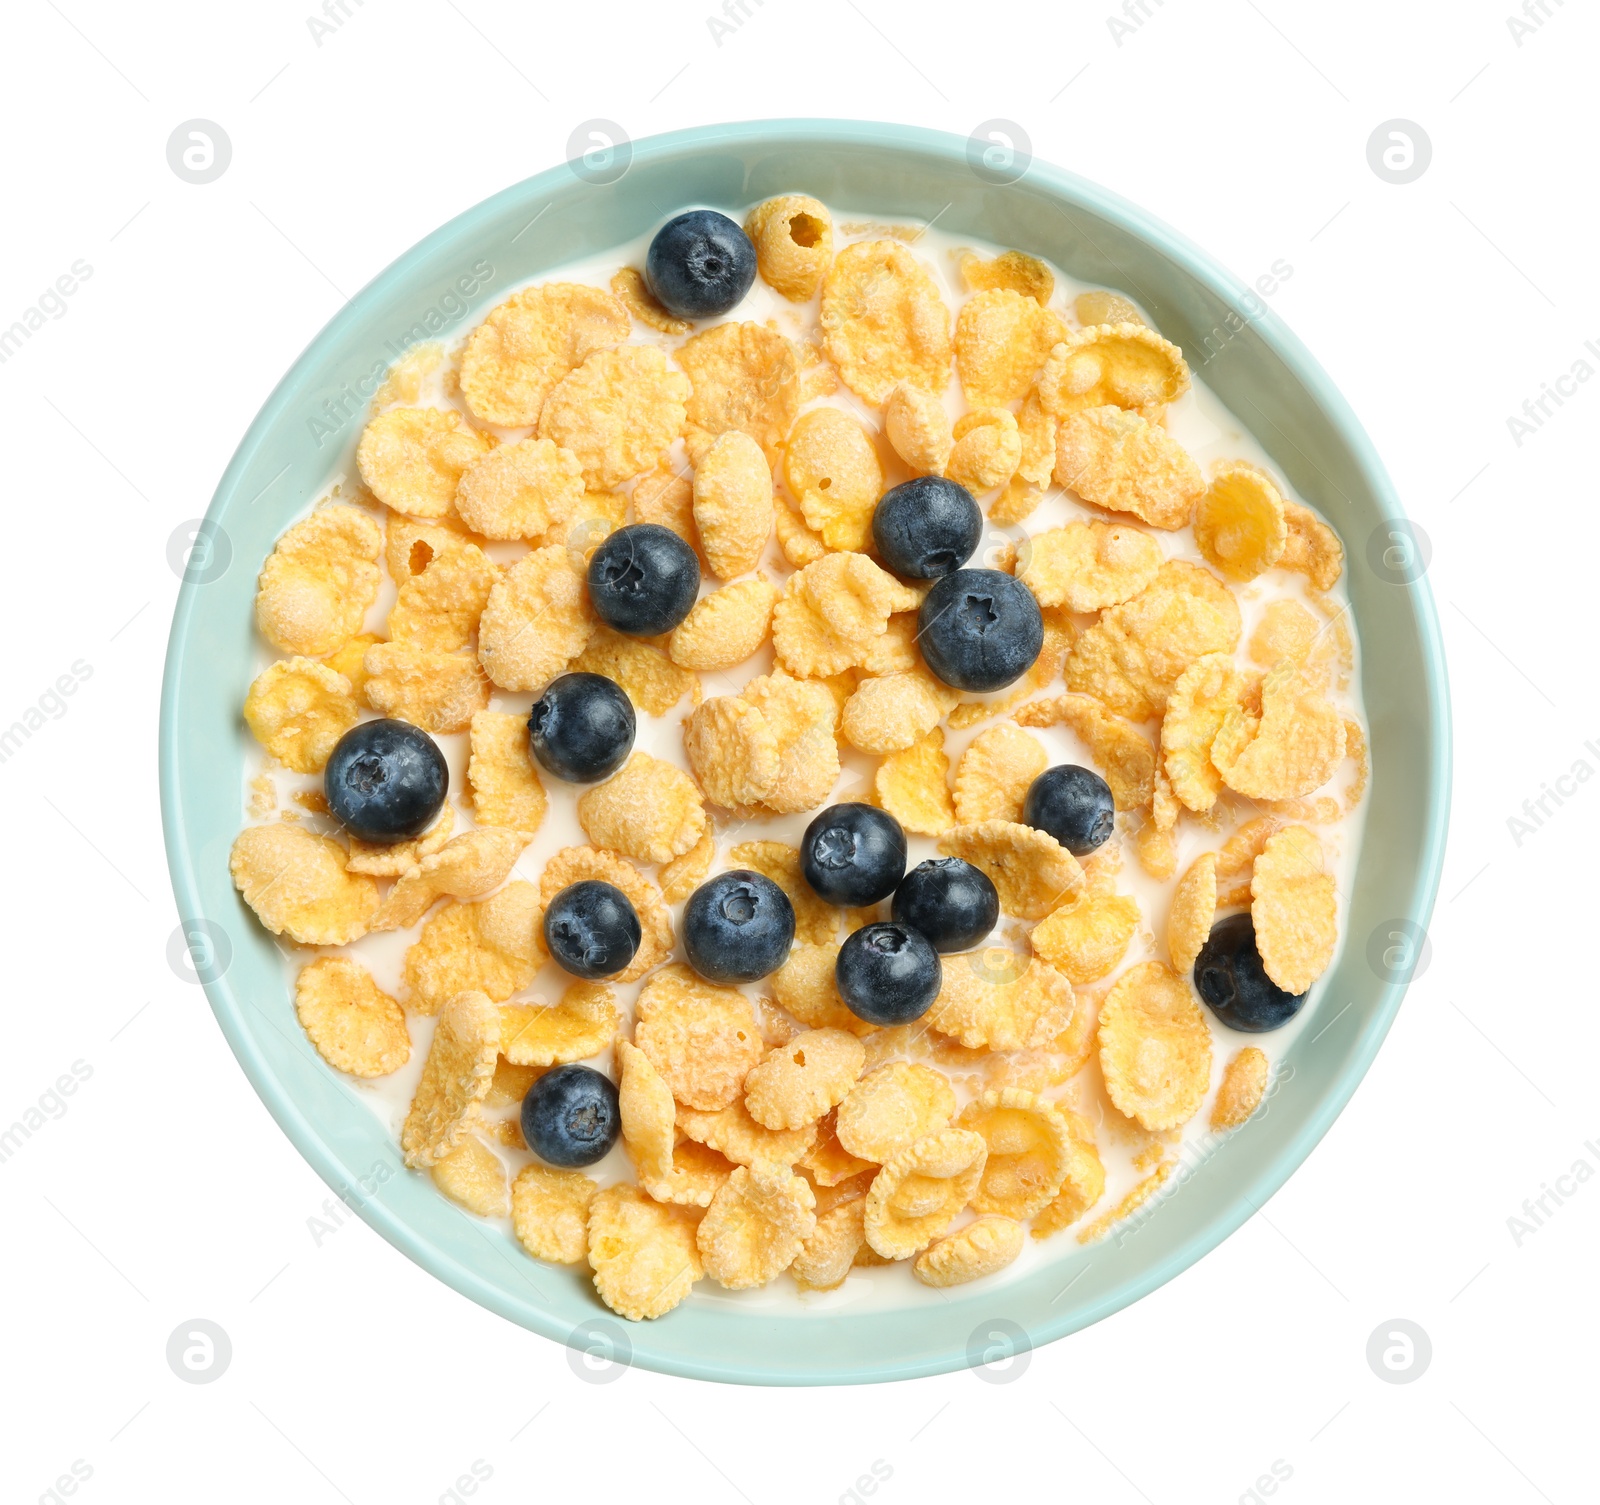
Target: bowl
column 1255, row 366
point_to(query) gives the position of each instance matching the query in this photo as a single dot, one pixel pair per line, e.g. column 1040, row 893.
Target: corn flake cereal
column 1029, row 868
column 793, row 237
column 618, row 412
column 652, row 681
column 377, row 860
column 455, row 1079
column 537, row 620
column 734, row 1134
column 1083, row 1186
column 411, row 459
column 991, row 998
column 550, row 1213
column 530, row 342
column 680, row 877
column 701, row 1038
column 580, row 1026
column 665, row 498
column 1194, row 907
column 1294, row 908
column 517, row 490
column 488, row 947
column 633, row 292
column 467, row 866
column 1013, row 270
column 921, row 1189
column 646, row 1110
column 1286, row 630
column 298, row 709
column 891, row 711
column 744, row 378
column 439, row 608
column 296, row 883
column 994, row 774
column 733, row 752
column 1028, row 1151
column 475, row 1177
column 883, row 321
column 918, row 428
column 984, row 1247
column 825, row 1259
column 354, row 1024
column 816, row 922
column 912, row 786
column 318, row 582
column 1244, row 1083
column 1088, row 566
column 799, row 714
column 832, row 613
column 755, row 1225
column 1155, row 1048
column 501, row 775
column 733, row 508
column 1239, row 522
column 1199, row 703
column 1127, row 365
column 648, row 809
column 828, row 1162
column 440, row 692
column 1130, row 1203
column 1116, row 460
column 1003, row 338
column 1087, row 938
column 575, row 864
column 725, row 627
column 643, row 1253
column 804, row 986
column 1291, row 749
column 799, row 544
column 986, row 451
column 832, row 468
column 1312, row 547
column 795, row 1084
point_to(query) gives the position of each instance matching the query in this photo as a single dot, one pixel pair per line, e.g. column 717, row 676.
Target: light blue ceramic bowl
column 881, row 171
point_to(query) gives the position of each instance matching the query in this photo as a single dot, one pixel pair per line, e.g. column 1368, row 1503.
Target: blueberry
column 581, row 729
column 888, row 974
column 643, row 579
column 1072, row 804
column 1228, row 974
column 738, row 927
column 570, row 1116
column 949, row 901
column 926, row 528
column 980, row 629
column 591, row 929
column 853, row 854
column 385, row 780
column 700, row 264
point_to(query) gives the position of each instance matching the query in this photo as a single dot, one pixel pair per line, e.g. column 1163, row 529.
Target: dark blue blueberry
column 1228, row 974
column 643, row 579
column 738, row 927
column 570, row 1116
column 949, row 901
column 1072, row 804
column 700, row 264
column 926, row 528
column 581, row 729
column 980, row 629
column 385, row 780
column 853, row 854
column 888, row 974
column 591, row 929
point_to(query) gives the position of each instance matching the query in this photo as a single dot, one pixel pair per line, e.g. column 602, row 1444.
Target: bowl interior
column 310, row 424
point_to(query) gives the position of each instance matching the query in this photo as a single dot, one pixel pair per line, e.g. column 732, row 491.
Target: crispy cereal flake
column 643, row 1253
column 467, row 866
column 618, row 412
column 987, row 449
column 883, row 321
column 1294, row 908
column 1128, row 365
column 1194, row 907
column 826, row 1258
column 725, row 627
column 501, row 775
column 994, row 998
column 755, row 1225
column 733, row 752
column 984, row 1247
column 921, row 1189
column 475, row 1177
column 653, row 682
column 1014, row 270
column 318, row 581
column 1199, row 703
column 666, row 498
column 1088, row 566
column 455, row 1079
column 744, row 378
column 1003, row 337
column 538, row 619
column 440, row 692
column 891, row 711
column 412, row 458
column 297, row 884
column 1029, row 1151
column 1239, row 522
column 1083, row 1186
column 832, row 614
column 550, row 1213
column 1116, row 460
column 733, row 1133
column 797, row 1083
column 683, row 875
column 918, row 428
column 1244, row 1083
column 298, row 709
column 891, row 1106
column 799, row 713
column 831, row 466
column 793, row 237
column 580, row 1026
column 1312, row 548
column 733, row 504
column 517, row 490
column 994, row 773
column 439, row 608
column 648, row 809
column 701, row 1038
column 1155, row 1048
column 354, row 1024
column 1088, row 937
column 1291, row 749
column 1125, row 755
column 1031, row 870
column 804, row 986
column 488, row 947
column 633, row 292
column 912, row 785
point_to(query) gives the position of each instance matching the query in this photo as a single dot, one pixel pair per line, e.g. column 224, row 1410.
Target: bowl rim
column 1061, row 184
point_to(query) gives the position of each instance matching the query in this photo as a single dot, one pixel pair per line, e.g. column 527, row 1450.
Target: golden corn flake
column 653, row 682
column 1088, row 566
column 1155, row 1048
column 816, row 922
column 912, row 786
column 1239, row 522
column 828, row 1162
column 1294, row 908
column 489, row 947
column 744, row 378
column 1200, row 701
column 440, row 692
column 799, row 544
column 732, row 751
column 298, row 709
column 832, row 468
column 318, row 582
column 799, row 713
column 833, row 612
column 1003, row 338
column 994, row 774
column 439, row 608
column 1116, row 460
column 647, row 809
column 825, row 1259
column 891, row 711
column 501, row 775
column 1244, row 1083
column 921, row 1189
column 667, row 499
column 1125, row 754
column 797, row 1083
column 1013, row 270
column 297, row 884
column 734, row 1134
column 793, row 237
column 1131, row 1202
column 918, row 428
column 984, row 1247
column 1157, row 849
column 412, row 458
column 701, row 1038
column 1127, row 365
column 1087, row 938
column 633, row 292
column 986, row 451
column 537, row 621
column 594, row 518
column 1083, row 1186
column 1101, row 307
column 1194, row 908
column 511, row 1083
column 1241, row 849
column 733, row 504
column 683, row 875
column 696, row 1174
column 349, row 659
column 985, row 1000
column 517, row 355
column 410, row 546
column 1131, row 658
column 576, row 864
column 377, row 860
column 883, row 321
column 1291, row 749
column 455, row 1079
column 725, row 627
column 755, row 1225
column 643, row 1253
column 1029, row 868
column 550, row 1213
column 618, row 413
column 891, row 1106
column 517, row 490
column 1312, row 548
column 475, row 1177
column 895, row 652
column 646, row 1110
column 580, row 1026
column 467, row 866
column 804, row 985
column 1029, row 1151
column 1286, row 630
column 354, row 1024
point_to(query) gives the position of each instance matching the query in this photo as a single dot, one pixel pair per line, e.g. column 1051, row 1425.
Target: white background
column 165, row 1192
